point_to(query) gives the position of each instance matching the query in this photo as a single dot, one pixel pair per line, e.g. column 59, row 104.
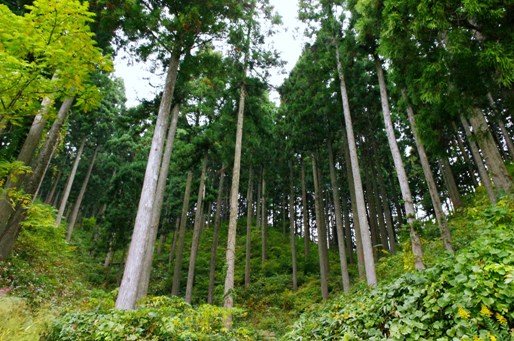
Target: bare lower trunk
column 78, row 202
column 322, row 236
column 292, row 227
column 228, row 301
column 367, row 248
column 305, row 216
column 196, row 233
column 499, row 173
column 175, row 288
column 171, row 254
column 264, row 222
column 432, row 187
column 387, row 212
column 249, row 220
column 449, row 180
column 157, row 206
column 50, row 197
column 215, row 237
column 400, row 169
column 339, row 223
column 482, row 172
column 465, row 156
column 128, row 293
column 69, row 183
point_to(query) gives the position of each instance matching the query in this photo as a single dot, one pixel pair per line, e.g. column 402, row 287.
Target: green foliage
column 465, row 297
column 157, row 318
column 43, row 268
column 11, row 172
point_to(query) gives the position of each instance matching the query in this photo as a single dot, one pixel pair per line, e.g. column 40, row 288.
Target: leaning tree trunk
column 69, row 183
column 10, row 219
column 432, row 187
column 482, row 172
column 339, row 223
column 78, row 202
column 465, row 156
column 400, row 169
column 305, row 216
column 157, row 207
column 367, row 248
column 322, row 235
column 50, row 197
column 292, row 227
column 493, row 159
column 196, row 232
column 128, row 292
column 232, row 224
column 249, row 220
column 215, row 237
column 387, row 212
column 179, row 247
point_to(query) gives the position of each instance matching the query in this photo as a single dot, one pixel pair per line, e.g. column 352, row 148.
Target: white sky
column 141, row 83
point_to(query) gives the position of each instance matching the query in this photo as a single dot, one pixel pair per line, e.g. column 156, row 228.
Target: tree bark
column 78, row 202
column 482, row 172
column 432, row 187
column 157, row 206
column 465, row 156
column 196, row 233
column 174, row 242
column 339, row 222
column 387, row 212
column 292, row 227
column 175, row 288
column 449, row 179
column 305, row 216
column 322, row 235
column 400, row 169
column 50, row 197
column 69, row 183
column 264, row 219
column 367, row 248
column 499, row 173
column 215, row 237
column 128, row 292
column 234, row 194
column 249, row 199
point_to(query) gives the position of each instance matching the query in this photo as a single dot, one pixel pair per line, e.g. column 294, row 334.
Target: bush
column 467, row 297
column 158, row 318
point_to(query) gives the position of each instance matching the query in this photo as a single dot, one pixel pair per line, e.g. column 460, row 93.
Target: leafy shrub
column 467, row 297
column 158, row 318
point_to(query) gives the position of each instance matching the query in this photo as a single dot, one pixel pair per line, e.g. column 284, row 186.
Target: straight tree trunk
column 78, row 202
column 322, row 235
column 367, row 248
column 305, row 216
column 215, row 237
column 50, row 197
column 70, row 181
column 432, row 187
column 292, row 227
column 175, row 288
column 347, row 232
column 465, row 155
column 507, row 138
column 449, row 179
column 482, row 172
column 380, row 216
column 174, row 242
column 196, row 233
column 45, row 170
column 234, row 194
column 128, row 292
column 387, row 212
column 249, row 199
column 258, row 201
column 157, row 206
column 339, row 221
column 264, row 219
column 496, row 166
column 400, row 169
column 162, row 240
column 355, row 210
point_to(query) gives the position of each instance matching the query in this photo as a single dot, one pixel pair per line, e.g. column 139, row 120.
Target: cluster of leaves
column 468, row 297
column 157, row 318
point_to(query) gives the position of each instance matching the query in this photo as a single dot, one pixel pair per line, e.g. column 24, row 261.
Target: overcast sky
column 141, row 83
